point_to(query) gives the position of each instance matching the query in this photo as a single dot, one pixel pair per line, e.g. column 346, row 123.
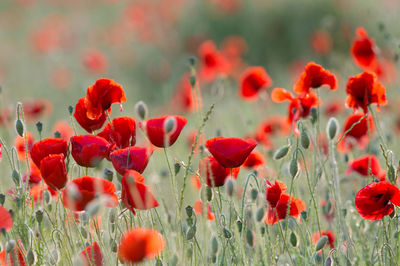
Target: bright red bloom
column 364, row 89
column 92, row 256
column 376, row 200
column 89, row 150
column 363, row 50
column 135, row 194
column 122, row 133
column 329, row 234
column 19, row 144
column 101, row 95
column 155, row 129
column 133, row 158
column 214, row 173
column 198, row 209
column 296, row 207
column 254, row 160
column 358, row 133
column 211, row 62
column 5, row 219
column 138, row 244
column 365, row 165
column 46, row 147
column 252, row 81
column 82, row 190
column 314, row 76
column 84, row 121
column 34, row 109
column 53, row 171
column 273, row 192
column 230, row 152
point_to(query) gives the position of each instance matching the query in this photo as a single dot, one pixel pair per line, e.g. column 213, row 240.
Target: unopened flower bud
column 281, row 153
column 332, row 128
column 170, row 124
column 321, row 243
column 19, row 127
column 141, row 110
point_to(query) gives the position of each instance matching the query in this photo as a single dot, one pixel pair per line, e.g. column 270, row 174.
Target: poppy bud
column 170, row 124
column 2, row 199
column 192, row 81
column 31, row 257
column 304, row 215
column 304, row 139
column 328, row 261
column 141, row 110
column 70, row 109
column 260, row 214
column 262, row 230
column 293, row 167
column 313, row 115
column 293, row 239
column 19, row 126
column 189, row 211
column 177, row 167
column 239, row 225
column 10, row 245
column 321, row 243
column 47, row 196
column 229, row 187
column 108, row 174
column 281, row 153
column 227, row 233
column 206, row 193
column 250, row 237
column 332, row 128
column 192, row 61
column 191, row 232
column 39, row 127
column 253, row 194
column 214, row 245
column 39, row 216
column 16, row 177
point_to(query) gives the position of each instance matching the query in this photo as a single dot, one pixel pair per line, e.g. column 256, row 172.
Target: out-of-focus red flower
column 53, row 171
column 92, row 255
column 363, row 50
column 195, row 181
column 230, row 152
column 135, row 194
column 252, row 81
column 273, row 192
column 233, row 48
column 269, row 127
column 321, row 42
column 5, row 116
column 185, row 97
column 254, row 160
column 376, row 200
column 358, row 132
column 19, row 144
column 329, row 234
column 198, row 209
column 122, row 133
column 227, row 6
column 155, row 129
column 34, row 177
column 138, row 244
column 334, row 108
column 82, row 190
column 34, row 109
column 84, row 121
column 61, row 78
column 214, row 173
column 296, row 207
column 313, row 77
column 49, row 36
column 5, row 219
column 89, row 150
column 211, row 62
column 191, row 137
column 101, row 95
column 364, row 89
column 64, row 129
column 365, row 165
column 14, row 257
column 95, row 61
column 46, row 147
column 132, row 158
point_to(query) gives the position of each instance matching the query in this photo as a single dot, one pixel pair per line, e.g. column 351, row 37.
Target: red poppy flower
column 19, row 144
column 82, row 190
column 211, row 61
column 321, row 42
column 376, row 200
column 365, row 165
column 46, row 147
column 34, row 109
column 185, row 97
column 363, row 50
column 358, row 133
column 84, row 121
column 296, row 207
column 95, row 61
column 198, row 209
column 5, row 219
column 135, row 194
column 132, row 158
column 329, row 234
column 92, row 255
column 269, row 127
column 53, row 171
column 273, row 192
column 101, row 95
column 14, row 257
column 89, row 150
column 254, row 160
column 122, row 133
column 314, row 76
column 214, row 173
column 364, row 89
column 65, row 130
column 138, row 244
column 230, row 152
column 155, row 129
column 252, row 81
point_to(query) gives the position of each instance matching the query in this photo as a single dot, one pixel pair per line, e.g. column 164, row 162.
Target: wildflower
column 122, row 133
column 84, row 121
column 53, row 171
column 314, row 76
column 89, row 150
column 46, row 147
column 132, row 158
column 252, row 81
column 214, row 173
column 155, row 129
column 365, row 165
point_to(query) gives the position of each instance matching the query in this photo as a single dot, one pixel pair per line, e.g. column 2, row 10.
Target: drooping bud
column 304, row 139
column 177, row 167
column 293, row 167
column 19, row 127
column 141, row 110
column 281, row 153
column 214, row 245
column 39, row 216
column 250, row 237
column 230, row 186
column 260, row 214
column 16, row 177
column 321, row 243
column 293, row 239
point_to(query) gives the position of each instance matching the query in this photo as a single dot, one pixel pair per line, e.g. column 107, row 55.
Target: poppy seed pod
column 304, row 139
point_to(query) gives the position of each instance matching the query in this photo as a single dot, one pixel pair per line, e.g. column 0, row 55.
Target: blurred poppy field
column 214, row 132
